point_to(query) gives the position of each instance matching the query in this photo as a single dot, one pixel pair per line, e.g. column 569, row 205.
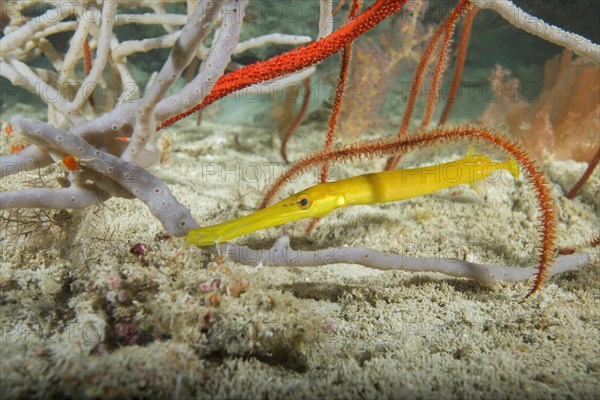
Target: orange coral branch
column 586, row 175
column 311, row 225
column 296, row 59
column 465, row 36
column 339, row 95
column 341, row 86
column 443, row 135
column 420, row 73
column 87, row 58
column 338, row 7
column 292, row 128
column 442, row 62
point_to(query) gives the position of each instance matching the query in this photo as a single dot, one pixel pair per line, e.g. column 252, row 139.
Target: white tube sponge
column 519, row 18
column 212, row 68
column 24, row 33
column 325, row 18
column 141, row 148
column 282, row 255
column 129, row 47
column 91, row 80
column 176, row 219
column 20, row 74
column 73, row 55
column 31, row 157
column 193, row 33
column 271, row 38
column 122, row 116
column 76, row 197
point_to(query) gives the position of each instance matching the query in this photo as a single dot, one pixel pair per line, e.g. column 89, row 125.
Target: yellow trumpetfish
column 379, row 187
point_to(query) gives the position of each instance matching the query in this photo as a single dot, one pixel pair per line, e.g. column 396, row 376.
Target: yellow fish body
column 379, row 187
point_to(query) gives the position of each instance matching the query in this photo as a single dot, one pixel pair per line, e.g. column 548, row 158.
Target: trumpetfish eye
column 304, row 202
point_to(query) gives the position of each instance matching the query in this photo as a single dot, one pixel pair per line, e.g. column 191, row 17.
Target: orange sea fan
column 366, row 90
column 376, row 62
column 564, row 121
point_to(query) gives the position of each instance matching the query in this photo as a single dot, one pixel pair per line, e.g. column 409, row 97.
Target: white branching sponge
column 108, row 167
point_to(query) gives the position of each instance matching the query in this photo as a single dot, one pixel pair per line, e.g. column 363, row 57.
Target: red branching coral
column 460, row 63
column 297, row 59
column 444, row 33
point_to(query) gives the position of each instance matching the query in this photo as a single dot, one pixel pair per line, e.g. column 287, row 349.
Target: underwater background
column 84, row 315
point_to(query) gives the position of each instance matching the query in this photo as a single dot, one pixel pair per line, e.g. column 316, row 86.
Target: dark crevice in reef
column 62, row 310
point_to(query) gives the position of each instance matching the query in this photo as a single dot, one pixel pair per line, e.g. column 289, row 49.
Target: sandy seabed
column 82, row 317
